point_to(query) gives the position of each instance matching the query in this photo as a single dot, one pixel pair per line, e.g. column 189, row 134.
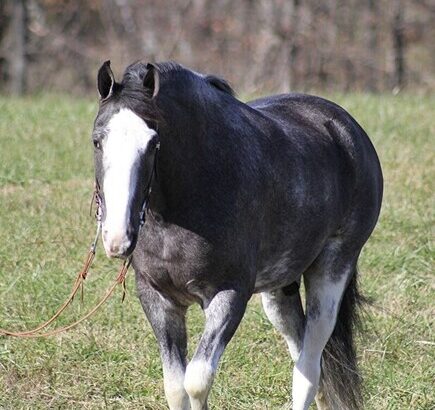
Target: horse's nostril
column 117, row 249
column 117, row 243
column 114, row 249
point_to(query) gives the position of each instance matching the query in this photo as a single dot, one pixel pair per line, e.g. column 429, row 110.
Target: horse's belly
column 287, row 265
column 277, row 273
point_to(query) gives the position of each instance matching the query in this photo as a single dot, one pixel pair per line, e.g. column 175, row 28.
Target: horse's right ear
column 151, row 81
column 105, row 81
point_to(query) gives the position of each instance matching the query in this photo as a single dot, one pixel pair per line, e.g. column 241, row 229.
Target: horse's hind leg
column 325, row 282
column 283, row 308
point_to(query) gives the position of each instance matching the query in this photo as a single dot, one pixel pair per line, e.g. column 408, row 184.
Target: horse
column 235, row 199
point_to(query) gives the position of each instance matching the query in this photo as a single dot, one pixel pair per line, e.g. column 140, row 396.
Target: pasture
column 46, row 181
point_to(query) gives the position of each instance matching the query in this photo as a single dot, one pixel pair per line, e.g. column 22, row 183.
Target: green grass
column 112, row 360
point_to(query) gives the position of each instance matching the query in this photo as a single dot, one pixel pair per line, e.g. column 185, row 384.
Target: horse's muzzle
column 118, row 245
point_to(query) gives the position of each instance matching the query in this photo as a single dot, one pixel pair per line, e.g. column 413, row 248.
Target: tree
column 17, row 50
column 399, row 45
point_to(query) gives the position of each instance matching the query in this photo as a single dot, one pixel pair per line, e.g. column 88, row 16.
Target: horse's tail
column 341, row 381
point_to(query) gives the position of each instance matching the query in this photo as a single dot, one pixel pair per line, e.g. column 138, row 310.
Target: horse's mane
column 135, row 73
column 131, row 93
column 220, row 84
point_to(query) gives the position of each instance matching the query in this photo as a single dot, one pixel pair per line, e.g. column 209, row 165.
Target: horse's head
column 125, row 140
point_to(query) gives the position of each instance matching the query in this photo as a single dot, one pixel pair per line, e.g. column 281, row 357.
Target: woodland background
column 258, row 45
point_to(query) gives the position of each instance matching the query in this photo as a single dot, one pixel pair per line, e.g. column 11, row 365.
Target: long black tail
column 341, row 381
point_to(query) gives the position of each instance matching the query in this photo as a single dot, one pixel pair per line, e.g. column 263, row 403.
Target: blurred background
column 258, row 45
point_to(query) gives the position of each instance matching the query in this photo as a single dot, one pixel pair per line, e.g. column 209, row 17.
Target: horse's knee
column 198, row 380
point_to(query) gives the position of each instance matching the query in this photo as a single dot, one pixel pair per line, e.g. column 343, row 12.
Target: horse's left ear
column 151, row 82
column 105, row 81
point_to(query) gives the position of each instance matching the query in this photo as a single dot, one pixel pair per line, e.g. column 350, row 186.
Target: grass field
column 112, row 361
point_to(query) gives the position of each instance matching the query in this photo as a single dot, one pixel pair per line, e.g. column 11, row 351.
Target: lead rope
column 35, row 332
column 81, row 276
column 78, row 284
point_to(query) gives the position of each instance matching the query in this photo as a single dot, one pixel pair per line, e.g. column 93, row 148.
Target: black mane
column 170, row 67
column 136, row 72
column 131, row 94
column 220, row 84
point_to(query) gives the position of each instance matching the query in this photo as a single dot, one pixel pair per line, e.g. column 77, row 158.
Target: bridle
column 146, row 201
column 81, row 276
column 149, row 186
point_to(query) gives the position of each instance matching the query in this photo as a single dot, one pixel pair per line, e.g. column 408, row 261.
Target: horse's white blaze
column 127, row 139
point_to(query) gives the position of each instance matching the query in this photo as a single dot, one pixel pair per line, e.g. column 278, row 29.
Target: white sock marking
column 305, row 382
column 318, row 330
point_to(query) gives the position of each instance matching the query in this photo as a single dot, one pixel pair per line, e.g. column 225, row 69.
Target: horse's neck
column 198, row 146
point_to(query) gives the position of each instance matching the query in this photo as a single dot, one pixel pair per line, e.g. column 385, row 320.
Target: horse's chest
column 173, row 260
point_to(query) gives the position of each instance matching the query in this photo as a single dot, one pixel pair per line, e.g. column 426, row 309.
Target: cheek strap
column 149, row 186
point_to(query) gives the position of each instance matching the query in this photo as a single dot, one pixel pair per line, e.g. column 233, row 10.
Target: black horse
column 240, row 198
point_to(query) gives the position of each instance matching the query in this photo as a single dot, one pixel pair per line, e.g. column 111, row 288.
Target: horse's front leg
column 168, row 323
column 223, row 314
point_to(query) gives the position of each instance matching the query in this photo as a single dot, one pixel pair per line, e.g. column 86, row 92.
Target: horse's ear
column 151, row 81
column 105, row 81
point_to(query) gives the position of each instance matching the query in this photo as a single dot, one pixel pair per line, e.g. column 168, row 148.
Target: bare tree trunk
column 399, row 46
column 18, row 53
column 373, row 68
column 294, row 45
column 3, row 65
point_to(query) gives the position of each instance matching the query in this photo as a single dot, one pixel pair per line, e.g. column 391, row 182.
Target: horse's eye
column 155, row 142
column 97, row 144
